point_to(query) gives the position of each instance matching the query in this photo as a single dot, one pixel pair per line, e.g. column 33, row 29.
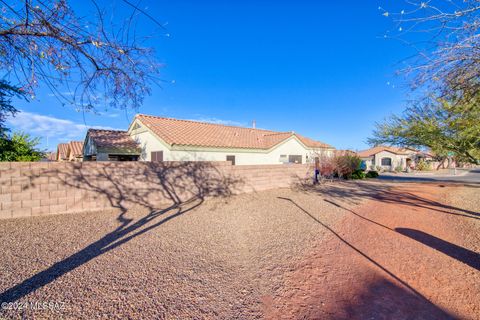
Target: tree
column 445, row 37
column 447, row 127
column 444, row 115
column 20, row 147
column 7, row 92
column 45, row 42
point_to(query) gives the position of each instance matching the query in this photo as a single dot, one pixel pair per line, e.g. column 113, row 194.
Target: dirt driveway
column 361, row 251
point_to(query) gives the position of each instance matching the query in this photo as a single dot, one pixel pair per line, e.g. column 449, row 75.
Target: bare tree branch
column 49, row 44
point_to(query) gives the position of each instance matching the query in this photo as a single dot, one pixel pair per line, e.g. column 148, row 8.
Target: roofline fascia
column 183, row 147
column 169, row 146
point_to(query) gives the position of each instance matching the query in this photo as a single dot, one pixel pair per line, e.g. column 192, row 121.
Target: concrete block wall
column 43, row 188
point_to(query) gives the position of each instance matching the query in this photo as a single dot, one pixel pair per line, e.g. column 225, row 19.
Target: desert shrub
column 327, row 167
column 359, row 174
column 372, row 174
column 346, row 164
column 422, row 165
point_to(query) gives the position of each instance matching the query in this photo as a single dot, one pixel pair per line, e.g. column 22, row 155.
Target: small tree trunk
column 441, row 163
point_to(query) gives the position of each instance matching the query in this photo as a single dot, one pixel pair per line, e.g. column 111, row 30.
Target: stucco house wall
column 149, row 143
column 396, row 160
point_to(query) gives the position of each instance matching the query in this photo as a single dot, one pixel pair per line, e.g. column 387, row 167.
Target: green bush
column 398, row 169
column 19, row 147
column 372, row 174
column 358, row 174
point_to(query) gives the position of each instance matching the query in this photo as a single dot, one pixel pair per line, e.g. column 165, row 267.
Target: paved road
column 471, row 176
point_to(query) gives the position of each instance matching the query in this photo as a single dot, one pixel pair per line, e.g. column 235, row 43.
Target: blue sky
column 319, row 68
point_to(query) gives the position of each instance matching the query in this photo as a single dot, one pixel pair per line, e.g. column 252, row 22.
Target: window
column 157, row 156
column 292, row 158
column 386, row 161
column 231, row 159
column 283, row 158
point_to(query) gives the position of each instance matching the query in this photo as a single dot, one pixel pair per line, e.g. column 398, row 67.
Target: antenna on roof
column 254, row 124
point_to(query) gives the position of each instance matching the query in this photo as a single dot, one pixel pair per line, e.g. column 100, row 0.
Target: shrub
column 379, row 168
column 19, row 147
column 346, row 164
column 372, row 174
column 327, row 167
column 358, row 174
column 398, row 169
column 422, row 165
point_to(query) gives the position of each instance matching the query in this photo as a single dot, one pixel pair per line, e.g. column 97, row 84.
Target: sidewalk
column 438, row 173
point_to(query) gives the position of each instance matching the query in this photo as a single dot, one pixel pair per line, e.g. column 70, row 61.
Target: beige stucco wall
column 397, row 160
column 149, row 143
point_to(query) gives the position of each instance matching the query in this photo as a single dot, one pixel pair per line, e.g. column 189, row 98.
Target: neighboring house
column 49, row 156
column 75, row 151
column 109, row 145
column 52, row 156
column 388, row 158
column 62, row 149
column 166, row 139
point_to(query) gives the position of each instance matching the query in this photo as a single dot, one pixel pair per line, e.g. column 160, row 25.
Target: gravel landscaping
column 273, row 254
column 217, row 260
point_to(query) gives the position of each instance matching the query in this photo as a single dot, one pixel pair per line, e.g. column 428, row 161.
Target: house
column 167, row 139
column 62, row 149
column 75, row 151
column 109, row 145
column 388, row 158
column 49, row 157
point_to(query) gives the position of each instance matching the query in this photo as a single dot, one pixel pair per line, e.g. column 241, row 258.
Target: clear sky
column 319, row 68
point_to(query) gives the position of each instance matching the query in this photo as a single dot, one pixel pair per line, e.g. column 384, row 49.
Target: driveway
column 462, row 176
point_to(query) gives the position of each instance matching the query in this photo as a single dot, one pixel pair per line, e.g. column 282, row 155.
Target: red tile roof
column 62, row 149
column 202, row 134
column 75, row 148
column 372, row 151
column 112, row 139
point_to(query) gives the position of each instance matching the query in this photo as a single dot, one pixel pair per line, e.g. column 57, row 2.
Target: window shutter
column 157, row 156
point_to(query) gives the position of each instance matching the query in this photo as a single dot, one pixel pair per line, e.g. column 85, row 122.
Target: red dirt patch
column 406, row 253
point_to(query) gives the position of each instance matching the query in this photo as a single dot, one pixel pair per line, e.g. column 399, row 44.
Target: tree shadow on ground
column 383, row 299
column 380, row 290
column 183, row 185
column 355, row 192
column 461, row 254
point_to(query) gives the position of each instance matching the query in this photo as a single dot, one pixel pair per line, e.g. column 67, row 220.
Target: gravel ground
column 222, row 258
column 412, row 251
column 342, row 251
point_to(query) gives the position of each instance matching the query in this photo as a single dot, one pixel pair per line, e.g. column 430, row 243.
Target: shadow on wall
column 184, row 185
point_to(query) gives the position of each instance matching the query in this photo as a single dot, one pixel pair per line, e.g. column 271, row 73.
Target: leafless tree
column 84, row 61
column 446, row 39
